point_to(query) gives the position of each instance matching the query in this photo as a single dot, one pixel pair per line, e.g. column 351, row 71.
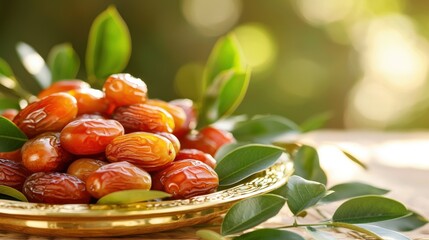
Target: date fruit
column 44, row 153
column 13, row 155
column 208, row 140
column 123, row 89
column 50, row 114
column 173, row 139
column 90, row 100
column 89, row 136
column 145, row 150
column 116, row 177
column 191, row 116
column 9, row 113
column 55, row 188
column 144, row 117
column 186, row 178
column 178, row 114
column 83, row 167
column 12, row 174
column 196, row 155
column 63, row 86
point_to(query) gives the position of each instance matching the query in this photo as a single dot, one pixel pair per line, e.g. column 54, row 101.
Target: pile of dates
column 85, row 143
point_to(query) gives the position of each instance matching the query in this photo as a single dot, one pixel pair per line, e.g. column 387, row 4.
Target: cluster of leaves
column 224, row 84
column 108, row 51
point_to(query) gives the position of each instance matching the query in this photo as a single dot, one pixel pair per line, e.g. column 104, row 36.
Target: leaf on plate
column 306, row 163
column 368, row 209
column 269, row 233
column 302, row 194
column 384, row 233
column 34, row 64
column 132, row 196
column 245, row 161
column 11, row 194
column 403, row 224
column 109, row 46
column 205, row 234
column 11, row 137
column 263, row 129
column 251, row 212
column 352, row 189
column 63, row 62
column 316, row 122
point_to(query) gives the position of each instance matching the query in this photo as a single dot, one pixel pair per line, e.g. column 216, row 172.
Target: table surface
column 397, row 161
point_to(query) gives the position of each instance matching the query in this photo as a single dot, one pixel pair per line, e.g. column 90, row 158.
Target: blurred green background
column 364, row 61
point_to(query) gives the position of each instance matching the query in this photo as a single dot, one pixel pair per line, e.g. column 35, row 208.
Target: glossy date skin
column 178, row 114
column 196, row 155
column 191, row 116
column 90, row 101
column 13, row 155
column 50, row 114
column 83, row 167
column 63, row 86
column 44, row 153
column 90, row 136
column 145, row 150
column 144, row 117
column 123, row 89
column 12, row 174
column 116, row 177
column 208, row 140
column 55, row 188
column 186, row 178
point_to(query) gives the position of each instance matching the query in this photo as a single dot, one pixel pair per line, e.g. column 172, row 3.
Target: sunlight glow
column 319, row 12
column 212, row 18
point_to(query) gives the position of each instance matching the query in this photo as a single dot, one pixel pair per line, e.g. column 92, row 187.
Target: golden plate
column 90, row 220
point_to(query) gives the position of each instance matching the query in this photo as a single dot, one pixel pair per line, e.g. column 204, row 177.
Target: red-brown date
column 191, row 116
column 12, row 174
column 63, row 86
column 89, row 100
column 145, row 150
column 50, row 114
column 44, row 153
column 83, row 167
column 116, row 177
column 13, row 155
column 196, row 155
column 89, row 136
column 144, row 117
column 9, row 113
column 208, row 140
column 55, row 188
column 186, row 178
column 90, row 116
column 173, row 139
column 178, row 114
column 123, row 89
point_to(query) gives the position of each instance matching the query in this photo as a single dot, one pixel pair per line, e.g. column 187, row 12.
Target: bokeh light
column 187, row 82
column 258, row 45
column 212, row 18
column 321, row 12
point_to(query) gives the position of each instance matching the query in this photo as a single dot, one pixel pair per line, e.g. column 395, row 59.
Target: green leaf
column 5, row 69
column 245, row 161
column 9, row 103
column 384, row 233
column 403, row 224
column 306, row 163
column 316, row 122
column 369, row 209
column 11, row 137
column 263, row 129
column 208, row 235
column 352, row 189
column 354, row 159
column 227, row 148
column 226, row 55
column 272, row 234
column 281, row 191
column 63, row 62
column 131, row 196
column 251, row 212
column 34, row 64
column 302, row 194
column 11, row 194
column 109, row 46
column 232, row 93
column 319, row 235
